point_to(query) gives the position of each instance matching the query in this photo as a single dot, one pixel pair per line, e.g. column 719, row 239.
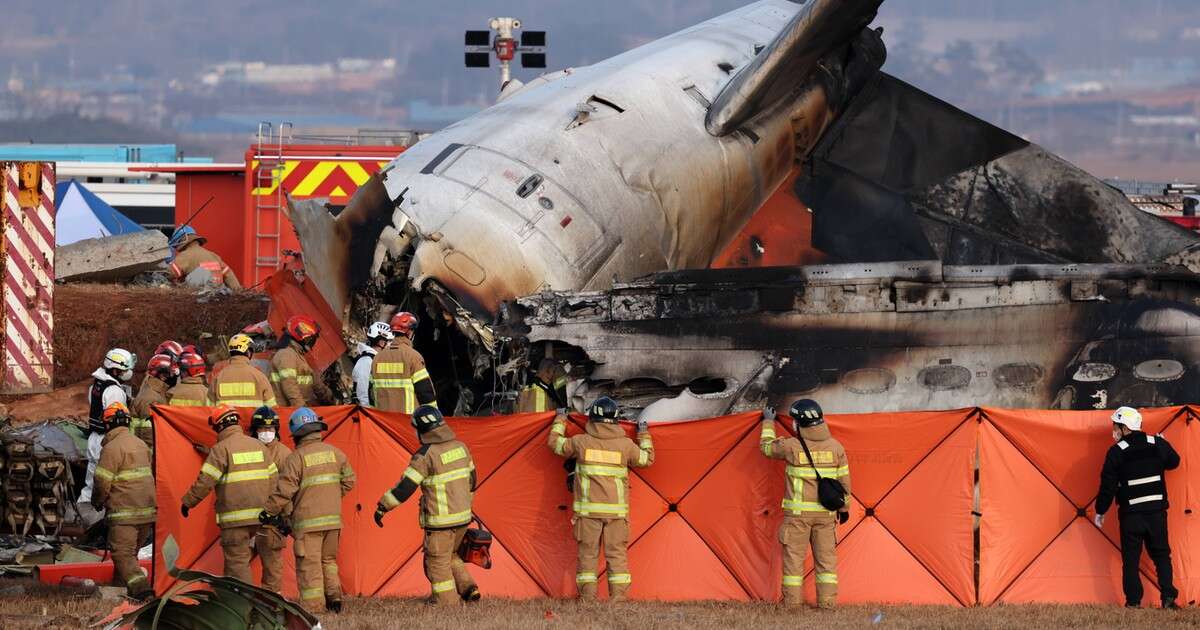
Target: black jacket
column 1133, row 474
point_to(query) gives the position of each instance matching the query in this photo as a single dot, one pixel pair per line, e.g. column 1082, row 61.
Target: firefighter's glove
column 1099, row 520
column 379, row 512
column 643, row 425
column 561, row 411
column 768, row 414
column 843, row 517
column 183, row 509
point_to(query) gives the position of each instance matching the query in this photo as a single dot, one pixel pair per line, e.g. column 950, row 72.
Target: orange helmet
column 162, row 367
column 192, row 364
column 116, row 414
column 223, row 416
column 170, row 348
column 303, row 329
column 404, row 323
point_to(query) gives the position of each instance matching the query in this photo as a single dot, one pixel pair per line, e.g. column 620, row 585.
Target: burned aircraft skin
column 871, row 338
column 653, row 160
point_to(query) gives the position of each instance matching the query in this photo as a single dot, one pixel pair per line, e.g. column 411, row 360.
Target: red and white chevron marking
column 28, row 307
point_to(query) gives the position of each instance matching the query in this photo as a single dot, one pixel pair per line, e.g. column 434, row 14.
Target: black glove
column 643, row 425
column 264, row 518
column 379, row 512
column 561, row 411
column 183, row 509
column 843, row 518
column 768, row 413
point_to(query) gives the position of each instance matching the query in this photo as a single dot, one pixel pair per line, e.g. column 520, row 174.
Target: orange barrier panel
column 704, row 517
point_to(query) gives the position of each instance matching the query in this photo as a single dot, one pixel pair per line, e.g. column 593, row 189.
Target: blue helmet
column 305, row 421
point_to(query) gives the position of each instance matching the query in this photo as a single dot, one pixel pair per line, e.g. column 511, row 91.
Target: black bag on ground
column 831, row 494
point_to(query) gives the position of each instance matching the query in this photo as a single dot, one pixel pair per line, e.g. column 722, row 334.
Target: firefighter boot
column 124, row 540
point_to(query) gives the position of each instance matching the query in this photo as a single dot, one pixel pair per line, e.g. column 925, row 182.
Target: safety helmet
column 170, row 348
column 120, row 359
column 305, row 421
column 404, row 323
column 1129, row 417
column 806, row 413
column 192, row 364
column 223, row 416
column 194, row 349
column 116, row 415
column 184, row 235
column 303, row 329
column 427, row 418
column 241, row 344
column 604, row 409
column 380, row 330
column 163, row 367
column 264, row 417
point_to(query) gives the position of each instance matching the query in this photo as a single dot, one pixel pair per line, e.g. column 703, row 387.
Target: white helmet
column 120, row 359
column 1129, row 417
column 380, row 330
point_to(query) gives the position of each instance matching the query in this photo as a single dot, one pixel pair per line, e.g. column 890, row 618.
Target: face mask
column 266, row 437
column 126, row 375
column 1117, row 434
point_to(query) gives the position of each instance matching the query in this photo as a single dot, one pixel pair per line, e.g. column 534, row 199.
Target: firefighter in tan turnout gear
column 240, row 384
column 547, row 390
column 399, row 381
column 295, row 383
column 604, row 456
column 124, row 486
column 162, row 372
column 311, row 485
column 806, row 520
column 271, row 539
column 191, row 391
column 445, row 472
column 243, row 474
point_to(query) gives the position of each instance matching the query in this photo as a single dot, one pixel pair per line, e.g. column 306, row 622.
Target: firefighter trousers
column 237, row 544
column 268, row 545
column 1149, row 529
column 448, row 576
column 124, row 541
column 613, row 535
column 317, row 569
column 796, row 534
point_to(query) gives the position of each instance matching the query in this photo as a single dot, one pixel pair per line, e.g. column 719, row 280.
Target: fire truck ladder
column 269, row 199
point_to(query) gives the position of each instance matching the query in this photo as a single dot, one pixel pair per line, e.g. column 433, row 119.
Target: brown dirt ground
column 44, row 607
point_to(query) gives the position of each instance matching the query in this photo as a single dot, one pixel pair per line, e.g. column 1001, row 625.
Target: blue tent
column 80, row 215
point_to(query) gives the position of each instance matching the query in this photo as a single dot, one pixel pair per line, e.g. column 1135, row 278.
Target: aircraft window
column 1094, row 372
column 1017, row 375
column 869, row 380
column 694, row 92
column 1159, row 370
column 944, row 377
column 530, row 184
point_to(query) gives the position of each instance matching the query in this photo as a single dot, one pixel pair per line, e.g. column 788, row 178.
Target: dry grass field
column 47, row 609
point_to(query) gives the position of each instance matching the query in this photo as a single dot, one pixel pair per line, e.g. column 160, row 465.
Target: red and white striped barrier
column 27, row 257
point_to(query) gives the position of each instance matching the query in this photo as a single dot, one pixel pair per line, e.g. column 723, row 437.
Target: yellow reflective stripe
column 454, row 455
column 273, row 469
column 247, row 402
column 793, row 580
column 414, row 475
column 559, row 428
column 238, row 516
column 137, row 579
column 768, row 432
column 211, row 471
column 133, row 473
column 323, row 457
column 187, row 402
column 827, row 578
column 447, row 477
column 603, row 456
column 442, row 587
column 118, row 515
column 559, row 444
column 803, row 506
column 389, row 500
column 389, row 368
column 585, row 578
column 419, row 375
column 587, row 507
column 444, row 520
column 279, row 375
column 620, row 578
column 597, row 470
column 318, row 480
column 236, row 389
column 304, row 379
column 806, row 472
column 320, row 521
column 645, row 443
column 270, row 402
column 313, row 593
column 248, row 457
column 245, row 475
column 137, row 423
column 103, row 473
column 643, row 458
column 392, row 383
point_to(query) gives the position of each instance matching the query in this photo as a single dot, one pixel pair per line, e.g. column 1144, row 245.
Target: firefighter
column 187, row 254
column 191, row 391
column 604, row 456
column 805, row 519
column 399, row 380
column 445, row 472
column 161, row 375
column 108, row 387
column 294, row 381
column 311, row 485
column 240, row 384
column 240, row 469
column 547, row 390
column 1134, row 475
column 379, row 335
column 125, row 489
column 269, row 543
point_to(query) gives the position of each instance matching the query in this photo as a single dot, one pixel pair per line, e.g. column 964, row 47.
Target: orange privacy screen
column 704, row 517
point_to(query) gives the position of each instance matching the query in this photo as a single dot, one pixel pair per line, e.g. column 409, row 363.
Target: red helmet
column 223, row 416
column 303, row 328
column 192, row 364
column 404, row 323
column 170, row 348
column 192, row 348
column 162, row 367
